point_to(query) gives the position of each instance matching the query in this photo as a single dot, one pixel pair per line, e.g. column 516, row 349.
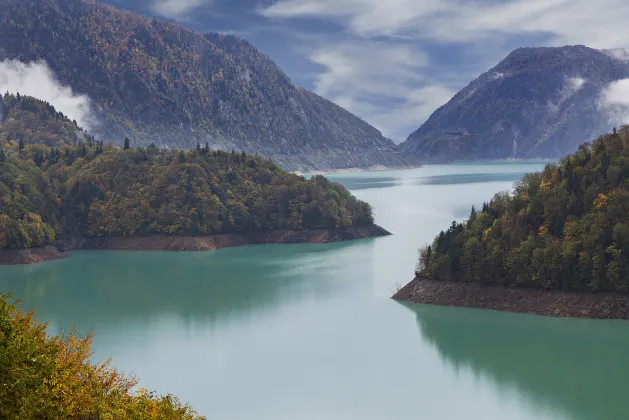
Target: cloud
column 176, row 9
column 615, row 100
column 37, row 80
column 458, row 40
column 563, row 21
column 381, row 83
column 367, row 17
column 371, row 68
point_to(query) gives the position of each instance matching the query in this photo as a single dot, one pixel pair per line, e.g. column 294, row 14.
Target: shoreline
column 553, row 303
column 63, row 248
column 375, row 168
column 32, row 255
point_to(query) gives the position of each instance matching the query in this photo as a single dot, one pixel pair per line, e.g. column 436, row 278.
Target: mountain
column 566, row 228
column 157, row 82
column 87, row 189
column 536, row 103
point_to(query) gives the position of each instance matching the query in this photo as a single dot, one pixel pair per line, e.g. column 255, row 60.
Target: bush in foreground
column 44, row 377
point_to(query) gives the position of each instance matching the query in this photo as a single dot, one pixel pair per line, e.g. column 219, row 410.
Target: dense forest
column 52, row 378
column 29, row 120
column 156, row 82
column 564, row 228
column 87, row 188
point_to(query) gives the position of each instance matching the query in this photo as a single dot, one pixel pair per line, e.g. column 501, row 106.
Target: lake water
column 308, row 332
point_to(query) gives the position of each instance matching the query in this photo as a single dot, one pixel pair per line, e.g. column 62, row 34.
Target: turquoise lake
column 309, row 332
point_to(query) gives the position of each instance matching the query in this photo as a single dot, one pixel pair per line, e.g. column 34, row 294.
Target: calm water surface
column 308, row 332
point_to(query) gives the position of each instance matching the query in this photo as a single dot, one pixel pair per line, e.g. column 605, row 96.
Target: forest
column 61, row 184
column 565, row 228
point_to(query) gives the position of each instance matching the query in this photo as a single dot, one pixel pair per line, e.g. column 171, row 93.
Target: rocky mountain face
column 536, row 103
column 156, row 82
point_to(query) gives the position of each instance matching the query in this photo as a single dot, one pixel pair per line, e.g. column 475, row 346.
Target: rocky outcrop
column 513, row 299
column 536, row 103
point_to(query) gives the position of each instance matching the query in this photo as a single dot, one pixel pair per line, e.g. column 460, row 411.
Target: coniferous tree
column 2, row 155
column 127, row 143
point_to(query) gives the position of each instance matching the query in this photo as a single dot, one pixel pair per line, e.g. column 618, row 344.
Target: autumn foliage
column 44, row 377
column 564, row 228
column 58, row 186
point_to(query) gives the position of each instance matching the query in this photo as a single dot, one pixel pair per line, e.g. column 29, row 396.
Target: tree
column 127, row 143
column 2, row 155
column 564, row 228
column 21, row 145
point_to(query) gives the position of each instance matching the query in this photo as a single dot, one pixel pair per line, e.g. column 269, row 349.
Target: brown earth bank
column 189, row 243
column 513, row 299
column 31, row 256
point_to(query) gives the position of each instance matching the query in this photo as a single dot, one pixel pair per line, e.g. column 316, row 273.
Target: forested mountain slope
column 87, row 189
column 565, row 228
column 536, row 103
column 31, row 121
column 157, row 82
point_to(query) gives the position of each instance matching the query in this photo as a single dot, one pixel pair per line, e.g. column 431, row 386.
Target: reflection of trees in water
column 102, row 288
column 577, row 366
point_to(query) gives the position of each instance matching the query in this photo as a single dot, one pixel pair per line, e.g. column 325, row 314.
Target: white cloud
column 565, row 21
column 366, row 81
column 381, row 83
column 176, row 9
column 367, row 17
column 37, row 80
column 368, row 68
column 615, row 100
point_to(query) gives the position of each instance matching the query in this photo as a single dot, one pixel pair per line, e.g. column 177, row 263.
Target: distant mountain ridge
column 536, row 103
column 157, row 82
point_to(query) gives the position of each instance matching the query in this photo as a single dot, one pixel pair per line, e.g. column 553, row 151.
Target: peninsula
column 60, row 189
column 558, row 245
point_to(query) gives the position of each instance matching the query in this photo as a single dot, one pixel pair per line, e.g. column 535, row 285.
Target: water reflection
column 104, row 288
column 363, row 183
column 424, row 178
column 472, row 178
column 578, row 366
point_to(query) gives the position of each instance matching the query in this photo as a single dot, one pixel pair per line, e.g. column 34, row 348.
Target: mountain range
column 156, row 82
column 536, row 103
column 159, row 83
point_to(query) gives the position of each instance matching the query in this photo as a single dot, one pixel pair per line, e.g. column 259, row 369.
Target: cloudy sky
column 393, row 62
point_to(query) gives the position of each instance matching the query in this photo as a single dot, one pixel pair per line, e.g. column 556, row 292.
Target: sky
column 394, row 62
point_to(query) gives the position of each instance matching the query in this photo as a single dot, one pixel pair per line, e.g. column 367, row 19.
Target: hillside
column 89, row 189
column 536, row 103
column 156, row 82
column 566, row 228
column 31, row 121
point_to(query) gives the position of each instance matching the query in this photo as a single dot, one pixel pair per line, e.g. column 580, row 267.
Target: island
column 558, row 245
column 61, row 190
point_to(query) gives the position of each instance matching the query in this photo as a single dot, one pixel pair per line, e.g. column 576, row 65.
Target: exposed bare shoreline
column 188, row 243
column 513, row 299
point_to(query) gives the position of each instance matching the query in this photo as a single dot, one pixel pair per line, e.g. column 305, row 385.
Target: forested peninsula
column 557, row 245
column 60, row 189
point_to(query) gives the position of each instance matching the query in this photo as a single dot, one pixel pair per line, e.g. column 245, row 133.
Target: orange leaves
column 52, row 377
column 600, row 201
